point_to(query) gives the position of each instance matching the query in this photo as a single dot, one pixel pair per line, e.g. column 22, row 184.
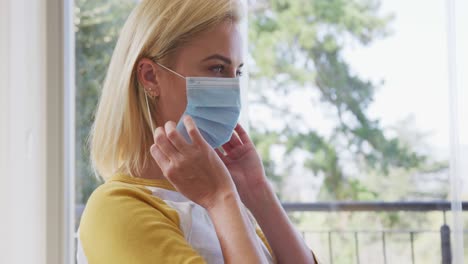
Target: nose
column 231, row 73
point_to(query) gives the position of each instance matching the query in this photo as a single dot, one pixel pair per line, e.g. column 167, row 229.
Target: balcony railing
column 433, row 206
column 440, row 206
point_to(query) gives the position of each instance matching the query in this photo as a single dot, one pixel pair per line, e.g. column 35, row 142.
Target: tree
column 298, row 44
column 97, row 27
column 295, row 45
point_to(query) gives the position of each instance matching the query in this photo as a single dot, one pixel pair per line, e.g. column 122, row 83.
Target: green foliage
column 97, row 26
column 298, row 45
column 263, row 143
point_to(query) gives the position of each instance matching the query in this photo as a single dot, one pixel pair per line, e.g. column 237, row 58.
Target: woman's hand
column 245, row 166
column 198, row 173
column 246, row 169
column 193, row 168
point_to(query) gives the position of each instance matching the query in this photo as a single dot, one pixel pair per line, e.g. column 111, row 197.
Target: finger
column 160, row 158
column 163, row 143
column 244, row 137
column 220, row 154
column 193, row 131
column 175, row 137
column 235, row 140
column 157, row 131
column 227, row 147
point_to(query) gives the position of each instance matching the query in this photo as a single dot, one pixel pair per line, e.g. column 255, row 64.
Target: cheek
column 174, row 103
column 180, row 100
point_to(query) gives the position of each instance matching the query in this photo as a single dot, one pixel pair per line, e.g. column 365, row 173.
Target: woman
column 190, row 191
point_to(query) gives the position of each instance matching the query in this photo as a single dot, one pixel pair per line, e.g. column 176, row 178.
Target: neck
column 152, row 172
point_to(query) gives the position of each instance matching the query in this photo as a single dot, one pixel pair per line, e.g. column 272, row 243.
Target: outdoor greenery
column 295, row 46
column 97, row 27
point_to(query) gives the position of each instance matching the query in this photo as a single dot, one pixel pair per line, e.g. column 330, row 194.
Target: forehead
column 224, row 39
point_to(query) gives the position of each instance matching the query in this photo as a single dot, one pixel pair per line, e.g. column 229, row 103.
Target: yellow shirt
column 132, row 220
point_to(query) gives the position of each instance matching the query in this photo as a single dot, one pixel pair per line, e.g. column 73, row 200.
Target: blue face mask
column 214, row 104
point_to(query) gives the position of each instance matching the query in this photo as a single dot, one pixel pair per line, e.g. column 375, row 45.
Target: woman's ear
column 148, row 77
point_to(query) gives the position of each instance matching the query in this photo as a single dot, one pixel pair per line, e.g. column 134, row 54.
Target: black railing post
column 330, row 248
column 384, row 247
column 377, row 206
column 445, row 244
column 356, row 244
column 412, row 247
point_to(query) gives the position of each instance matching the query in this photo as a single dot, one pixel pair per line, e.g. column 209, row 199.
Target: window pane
column 349, row 102
column 97, row 26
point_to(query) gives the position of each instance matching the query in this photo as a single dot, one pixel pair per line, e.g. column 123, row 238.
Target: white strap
column 149, row 113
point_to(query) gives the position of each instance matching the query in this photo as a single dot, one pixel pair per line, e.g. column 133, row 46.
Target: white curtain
column 457, row 44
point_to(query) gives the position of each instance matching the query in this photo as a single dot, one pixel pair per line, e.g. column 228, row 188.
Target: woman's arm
column 245, row 166
column 197, row 172
column 238, row 241
column 285, row 241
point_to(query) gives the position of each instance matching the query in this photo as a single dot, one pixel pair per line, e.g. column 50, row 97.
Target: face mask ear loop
column 176, row 73
column 149, row 113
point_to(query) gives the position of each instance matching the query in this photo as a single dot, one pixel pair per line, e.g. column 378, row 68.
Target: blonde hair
column 121, row 134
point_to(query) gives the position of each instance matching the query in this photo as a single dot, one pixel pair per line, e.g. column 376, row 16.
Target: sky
column 413, row 63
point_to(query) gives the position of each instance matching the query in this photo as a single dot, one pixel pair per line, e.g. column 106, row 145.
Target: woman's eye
column 220, row 69
column 217, row 69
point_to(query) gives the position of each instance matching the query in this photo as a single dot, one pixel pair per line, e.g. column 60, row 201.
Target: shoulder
column 123, row 222
column 118, row 206
column 116, row 202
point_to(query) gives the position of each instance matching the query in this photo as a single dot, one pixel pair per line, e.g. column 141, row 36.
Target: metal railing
column 414, row 206
column 433, row 206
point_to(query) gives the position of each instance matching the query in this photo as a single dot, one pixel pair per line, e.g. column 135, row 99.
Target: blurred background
column 347, row 101
column 358, row 109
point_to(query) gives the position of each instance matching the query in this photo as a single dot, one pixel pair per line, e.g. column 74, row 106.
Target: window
column 348, row 104
column 97, row 27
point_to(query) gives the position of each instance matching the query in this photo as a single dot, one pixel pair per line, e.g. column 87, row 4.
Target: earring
column 149, row 92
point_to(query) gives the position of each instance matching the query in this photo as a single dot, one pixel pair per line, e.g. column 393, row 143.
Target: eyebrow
column 222, row 58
